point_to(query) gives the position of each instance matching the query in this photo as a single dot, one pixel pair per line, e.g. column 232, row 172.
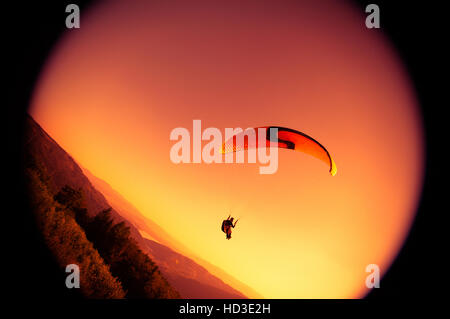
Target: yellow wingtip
column 333, row 168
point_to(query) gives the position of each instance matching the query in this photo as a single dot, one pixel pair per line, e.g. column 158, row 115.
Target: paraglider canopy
column 286, row 138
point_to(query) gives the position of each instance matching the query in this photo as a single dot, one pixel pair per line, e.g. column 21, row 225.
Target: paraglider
column 258, row 137
column 227, row 224
column 286, row 138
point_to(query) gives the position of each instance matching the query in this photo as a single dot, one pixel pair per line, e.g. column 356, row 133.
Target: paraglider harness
column 226, row 224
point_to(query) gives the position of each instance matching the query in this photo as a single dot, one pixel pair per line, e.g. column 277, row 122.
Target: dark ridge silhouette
column 68, row 243
column 62, row 172
column 111, row 265
column 197, row 290
column 196, row 269
column 188, row 277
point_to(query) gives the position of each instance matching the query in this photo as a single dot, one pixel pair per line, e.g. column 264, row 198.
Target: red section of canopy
column 287, row 138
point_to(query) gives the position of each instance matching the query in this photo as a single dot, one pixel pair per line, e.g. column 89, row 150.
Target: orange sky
column 114, row 89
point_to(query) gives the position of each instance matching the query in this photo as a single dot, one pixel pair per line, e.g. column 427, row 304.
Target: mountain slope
column 189, row 277
column 128, row 211
column 62, row 170
column 150, row 230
